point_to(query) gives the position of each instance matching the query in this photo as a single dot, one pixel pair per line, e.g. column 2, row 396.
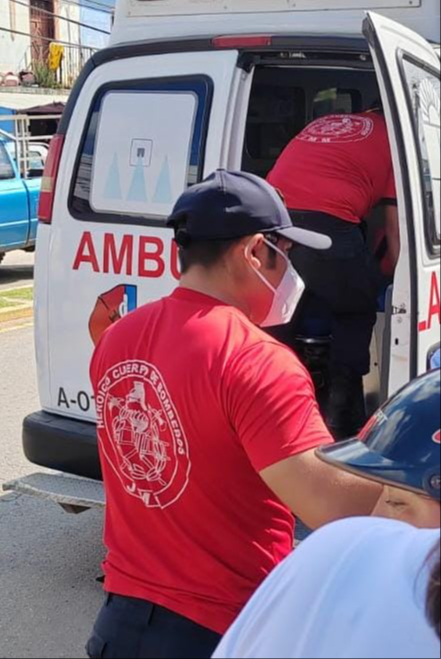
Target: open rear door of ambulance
column 408, row 70
column 149, row 120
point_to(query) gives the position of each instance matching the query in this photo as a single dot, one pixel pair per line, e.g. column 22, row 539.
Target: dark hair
column 433, row 604
column 206, row 253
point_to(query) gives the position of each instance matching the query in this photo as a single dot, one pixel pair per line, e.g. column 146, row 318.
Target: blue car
column 18, row 201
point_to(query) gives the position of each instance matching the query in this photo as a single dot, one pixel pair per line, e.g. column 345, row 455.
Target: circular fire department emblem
column 143, row 437
column 338, row 129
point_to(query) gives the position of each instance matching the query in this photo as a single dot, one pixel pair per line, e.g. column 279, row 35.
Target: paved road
column 17, row 269
column 48, row 560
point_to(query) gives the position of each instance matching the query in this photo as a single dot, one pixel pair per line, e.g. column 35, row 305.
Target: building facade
column 29, row 27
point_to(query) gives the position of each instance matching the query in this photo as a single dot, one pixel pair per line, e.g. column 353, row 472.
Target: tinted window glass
column 132, row 171
column 424, row 97
column 336, row 101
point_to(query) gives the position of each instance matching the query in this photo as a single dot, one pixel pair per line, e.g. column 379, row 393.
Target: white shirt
column 356, row 588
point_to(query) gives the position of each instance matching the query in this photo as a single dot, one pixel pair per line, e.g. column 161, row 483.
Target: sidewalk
column 16, row 303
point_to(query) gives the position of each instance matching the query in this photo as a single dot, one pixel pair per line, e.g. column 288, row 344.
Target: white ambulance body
column 186, row 87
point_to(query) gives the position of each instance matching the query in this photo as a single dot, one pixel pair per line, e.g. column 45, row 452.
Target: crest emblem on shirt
column 437, row 437
column 338, row 129
column 141, row 434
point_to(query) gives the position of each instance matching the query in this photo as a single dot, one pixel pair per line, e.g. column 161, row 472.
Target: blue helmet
column 400, row 445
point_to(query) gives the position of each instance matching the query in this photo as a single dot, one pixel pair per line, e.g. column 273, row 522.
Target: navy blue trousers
column 345, row 283
column 129, row 628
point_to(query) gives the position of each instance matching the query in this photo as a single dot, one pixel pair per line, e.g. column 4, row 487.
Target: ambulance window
column 144, row 144
column 6, row 171
column 277, row 113
column 336, row 101
column 423, row 85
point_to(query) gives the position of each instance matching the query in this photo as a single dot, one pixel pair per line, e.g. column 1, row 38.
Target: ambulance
column 189, row 86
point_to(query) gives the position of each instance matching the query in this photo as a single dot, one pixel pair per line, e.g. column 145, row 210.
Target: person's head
column 400, row 448
column 234, row 235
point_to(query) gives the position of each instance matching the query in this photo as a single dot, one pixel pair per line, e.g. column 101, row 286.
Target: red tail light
column 243, row 41
column 49, row 181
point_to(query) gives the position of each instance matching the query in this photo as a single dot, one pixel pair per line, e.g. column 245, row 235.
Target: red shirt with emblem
column 340, row 165
column 192, row 402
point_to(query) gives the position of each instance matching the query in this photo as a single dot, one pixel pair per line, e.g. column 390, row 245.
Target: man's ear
column 254, row 246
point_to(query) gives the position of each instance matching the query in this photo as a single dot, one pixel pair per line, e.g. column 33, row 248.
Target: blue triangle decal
column 112, row 189
column 163, row 192
column 137, row 191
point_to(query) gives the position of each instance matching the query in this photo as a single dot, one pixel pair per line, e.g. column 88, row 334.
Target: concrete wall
column 64, row 30
column 14, row 48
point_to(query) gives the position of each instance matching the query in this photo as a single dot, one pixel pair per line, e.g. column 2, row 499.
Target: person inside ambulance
column 367, row 587
column 207, row 430
column 332, row 176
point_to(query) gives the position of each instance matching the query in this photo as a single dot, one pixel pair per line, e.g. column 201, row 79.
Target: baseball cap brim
column 353, row 454
column 357, row 458
column 306, row 238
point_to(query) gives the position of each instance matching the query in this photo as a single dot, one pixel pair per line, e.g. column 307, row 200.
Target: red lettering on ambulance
column 86, row 253
column 434, row 305
column 114, row 260
column 154, row 257
column 174, row 264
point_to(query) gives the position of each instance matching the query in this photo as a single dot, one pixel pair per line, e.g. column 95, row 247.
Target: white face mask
column 286, row 296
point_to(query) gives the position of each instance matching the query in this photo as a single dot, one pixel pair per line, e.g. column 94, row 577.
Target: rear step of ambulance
column 75, row 494
column 72, row 493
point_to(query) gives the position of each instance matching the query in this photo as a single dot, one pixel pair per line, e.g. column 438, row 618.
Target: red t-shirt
column 340, row 165
column 193, row 401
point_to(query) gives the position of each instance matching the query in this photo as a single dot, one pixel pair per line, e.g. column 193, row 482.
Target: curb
column 19, row 309
column 16, row 314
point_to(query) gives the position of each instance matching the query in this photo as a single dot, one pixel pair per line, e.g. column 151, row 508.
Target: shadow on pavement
column 18, row 274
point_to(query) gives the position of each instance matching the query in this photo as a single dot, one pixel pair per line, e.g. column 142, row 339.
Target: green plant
column 44, row 77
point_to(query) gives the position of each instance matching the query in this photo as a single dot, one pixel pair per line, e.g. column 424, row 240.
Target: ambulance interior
column 284, row 99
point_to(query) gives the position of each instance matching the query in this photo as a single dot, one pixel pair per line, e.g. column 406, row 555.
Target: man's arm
column 319, row 493
column 393, row 233
column 270, row 401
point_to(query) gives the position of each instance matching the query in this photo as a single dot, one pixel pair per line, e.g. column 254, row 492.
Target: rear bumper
column 63, row 444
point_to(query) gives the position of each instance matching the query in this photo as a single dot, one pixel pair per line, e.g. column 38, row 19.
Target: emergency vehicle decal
column 434, row 310
column 140, row 256
column 144, row 164
column 110, row 307
column 144, row 440
column 338, row 129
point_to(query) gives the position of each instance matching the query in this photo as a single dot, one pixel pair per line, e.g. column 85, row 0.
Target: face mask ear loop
column 259, row 274
column 279, row 251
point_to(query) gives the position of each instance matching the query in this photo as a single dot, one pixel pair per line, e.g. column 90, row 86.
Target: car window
column 423, row 85
column 6, row 169
column 35, row 162
column 336, row 101
column 131, row 170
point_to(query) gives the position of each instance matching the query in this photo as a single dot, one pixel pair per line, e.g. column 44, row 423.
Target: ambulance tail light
column 49, row 181
column 243, row 41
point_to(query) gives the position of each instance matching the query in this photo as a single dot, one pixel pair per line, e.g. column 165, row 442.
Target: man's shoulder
column 262, row 353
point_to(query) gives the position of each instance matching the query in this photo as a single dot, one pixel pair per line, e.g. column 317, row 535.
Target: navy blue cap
column 400, row 445
column 230, row 205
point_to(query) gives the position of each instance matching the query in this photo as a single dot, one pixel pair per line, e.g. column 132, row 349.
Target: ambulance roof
column 140, row 20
